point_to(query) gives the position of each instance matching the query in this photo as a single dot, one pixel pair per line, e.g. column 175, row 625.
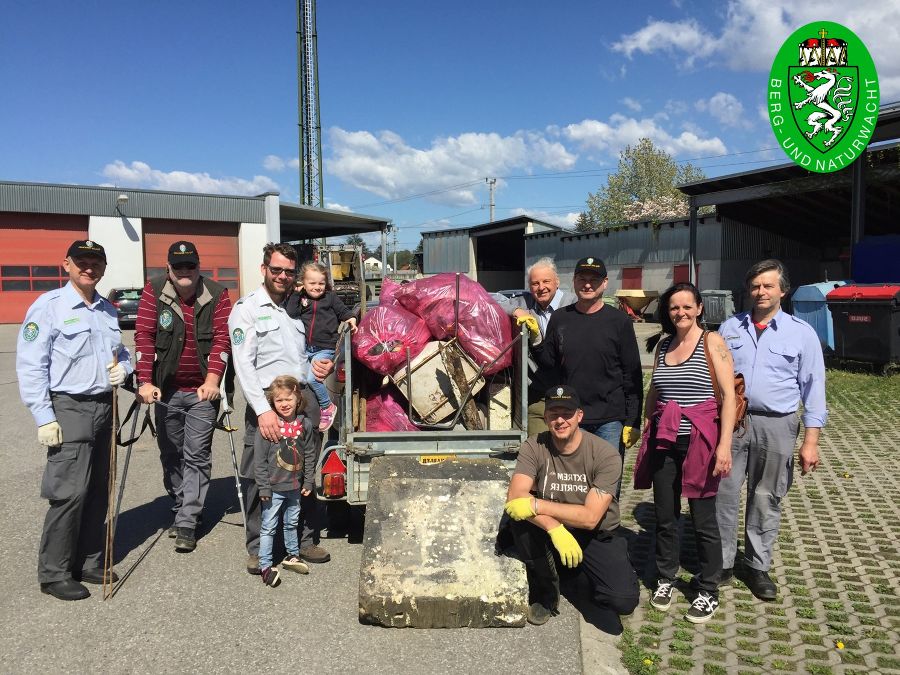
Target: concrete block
column 428, row 553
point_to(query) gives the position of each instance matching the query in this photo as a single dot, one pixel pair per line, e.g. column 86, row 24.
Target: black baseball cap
column 183, row 252
column 562, row 396
column 82, row 247
column 592, row 265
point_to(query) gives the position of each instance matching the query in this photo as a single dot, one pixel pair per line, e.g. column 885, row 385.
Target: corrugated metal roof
column 299, row 221
column 101, row 201
column 498, row 224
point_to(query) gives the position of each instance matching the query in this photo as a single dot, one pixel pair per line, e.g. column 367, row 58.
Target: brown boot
column 314, row 554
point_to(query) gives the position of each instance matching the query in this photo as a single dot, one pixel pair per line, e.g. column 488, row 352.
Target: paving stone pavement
column 836, row 563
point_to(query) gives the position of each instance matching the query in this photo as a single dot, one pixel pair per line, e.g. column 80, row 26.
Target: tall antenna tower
column 308, row 103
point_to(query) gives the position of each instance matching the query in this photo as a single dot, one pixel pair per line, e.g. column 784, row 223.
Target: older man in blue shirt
column 69, row 355
column 781, row 359
column 534, row 309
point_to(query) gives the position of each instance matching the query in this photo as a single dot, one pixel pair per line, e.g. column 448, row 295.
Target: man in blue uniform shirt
column 781, row 359
column 66, row 369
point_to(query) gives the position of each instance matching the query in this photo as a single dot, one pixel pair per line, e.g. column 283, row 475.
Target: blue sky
column 416, row 97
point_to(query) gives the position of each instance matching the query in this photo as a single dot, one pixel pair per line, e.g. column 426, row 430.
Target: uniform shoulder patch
column 30, row 331
column 237, row 336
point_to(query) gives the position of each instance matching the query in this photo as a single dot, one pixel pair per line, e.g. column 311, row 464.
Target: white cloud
column 612, row 137
column 386, row 165
column 753, row 31
column 669, row 37
column 566, row 220
column 631, row 104
column 276, row 163
column 726, row 108
column 334, row 206
column 142, row 175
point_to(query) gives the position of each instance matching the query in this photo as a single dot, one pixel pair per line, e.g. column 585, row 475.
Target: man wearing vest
column 182, row 344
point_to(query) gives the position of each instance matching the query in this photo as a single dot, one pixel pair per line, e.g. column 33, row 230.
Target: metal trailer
column 356, row 448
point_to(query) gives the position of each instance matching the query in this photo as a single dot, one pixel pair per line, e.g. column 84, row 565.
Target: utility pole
column 395, row 250
column 492, row 182
column 308, row 104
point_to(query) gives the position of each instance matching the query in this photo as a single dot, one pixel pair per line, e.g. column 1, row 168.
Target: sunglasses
column 278, row 271
column 184, row 267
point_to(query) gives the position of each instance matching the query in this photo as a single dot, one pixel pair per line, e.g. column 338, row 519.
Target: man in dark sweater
column 593, row 349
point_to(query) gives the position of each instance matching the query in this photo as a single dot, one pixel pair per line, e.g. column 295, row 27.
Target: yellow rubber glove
column 569, row 550
column 630, row 436
column 521, row 508
column 531, row 323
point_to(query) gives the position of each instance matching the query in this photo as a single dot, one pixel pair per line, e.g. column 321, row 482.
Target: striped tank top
column 688, row 382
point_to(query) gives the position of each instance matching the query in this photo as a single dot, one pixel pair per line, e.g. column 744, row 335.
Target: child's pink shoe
column 327, row 418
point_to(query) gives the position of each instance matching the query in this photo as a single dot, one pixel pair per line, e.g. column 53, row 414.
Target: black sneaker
column 662, row 596
column 185, row 541
column 703, row 608
column 270, row 577
column 760, row 584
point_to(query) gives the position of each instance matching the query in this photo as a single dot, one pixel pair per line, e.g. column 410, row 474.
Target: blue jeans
column 270, row 509
column 319, row 389
column 611, row 432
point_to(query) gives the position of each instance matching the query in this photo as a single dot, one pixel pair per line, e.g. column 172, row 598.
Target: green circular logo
column 30, row 331
column 823, row 97
column 237, row 336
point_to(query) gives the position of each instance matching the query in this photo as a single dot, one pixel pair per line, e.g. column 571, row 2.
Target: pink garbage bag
column 388, row 295
column 384, row 412
column 484, row 328
column 383, row 336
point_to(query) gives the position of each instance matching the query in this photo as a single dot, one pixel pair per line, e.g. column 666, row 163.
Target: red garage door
column 217, row 244
column 32, row 249
column 631, row 277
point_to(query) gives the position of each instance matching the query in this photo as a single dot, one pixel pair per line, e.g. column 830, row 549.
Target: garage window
column 32, row 277
column 227, row 276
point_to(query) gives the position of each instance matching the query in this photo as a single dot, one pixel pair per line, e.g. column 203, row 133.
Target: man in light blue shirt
column 781, row 360
column 534, row 309
column 69, row 355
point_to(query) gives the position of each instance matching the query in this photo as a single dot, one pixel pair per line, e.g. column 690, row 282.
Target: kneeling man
column 562, row 494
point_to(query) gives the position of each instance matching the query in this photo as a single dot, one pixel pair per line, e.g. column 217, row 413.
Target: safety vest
column 170, row 333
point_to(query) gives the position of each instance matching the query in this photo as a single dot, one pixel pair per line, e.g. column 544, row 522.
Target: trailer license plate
column 434, row 459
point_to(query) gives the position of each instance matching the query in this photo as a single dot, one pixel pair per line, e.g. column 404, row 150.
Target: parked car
column 125, row 300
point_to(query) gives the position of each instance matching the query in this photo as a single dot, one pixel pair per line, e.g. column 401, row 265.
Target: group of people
column 584, row 411
column 585, row 403
column 279, row 340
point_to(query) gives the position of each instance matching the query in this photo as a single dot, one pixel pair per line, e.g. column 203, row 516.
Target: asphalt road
column 202, row 611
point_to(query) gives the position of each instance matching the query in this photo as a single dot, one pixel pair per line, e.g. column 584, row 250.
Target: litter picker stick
column 125, row 472
column 108, row 552
column 226, row 408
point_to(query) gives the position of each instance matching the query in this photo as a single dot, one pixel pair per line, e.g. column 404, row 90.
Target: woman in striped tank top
column 685, row 450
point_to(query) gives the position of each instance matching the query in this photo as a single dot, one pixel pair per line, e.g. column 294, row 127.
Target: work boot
column 253, row 565
column 543, row 588
column 67, row 589
column 185, row 541
column 314, row 554
column 760, row 584
column 95, row 576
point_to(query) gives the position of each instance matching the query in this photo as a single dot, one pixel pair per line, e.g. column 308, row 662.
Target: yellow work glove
column 50, row 434
column 630, row 436
column 531, row 323
column 521, row 508
column 569, row 550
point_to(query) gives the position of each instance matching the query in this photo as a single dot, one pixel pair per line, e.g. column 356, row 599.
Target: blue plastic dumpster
column 809, row 304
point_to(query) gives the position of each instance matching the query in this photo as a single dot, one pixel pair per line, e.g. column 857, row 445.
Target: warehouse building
column 38, row 222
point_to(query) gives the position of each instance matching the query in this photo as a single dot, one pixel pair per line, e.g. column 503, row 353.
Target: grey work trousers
column 185, row 451
column 310, row 509
column 764, row 455
column 76, row 484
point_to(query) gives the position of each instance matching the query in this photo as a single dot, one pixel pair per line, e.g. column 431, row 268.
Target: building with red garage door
column 38, row 221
